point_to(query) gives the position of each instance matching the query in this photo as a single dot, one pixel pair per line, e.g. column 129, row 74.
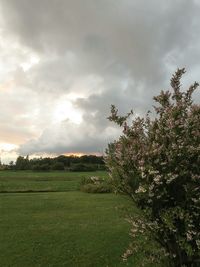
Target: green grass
column 61, row 229
column 68, row 228
column 28, row 181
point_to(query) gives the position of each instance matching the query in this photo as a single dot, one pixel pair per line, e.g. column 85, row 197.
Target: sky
column 64, row 62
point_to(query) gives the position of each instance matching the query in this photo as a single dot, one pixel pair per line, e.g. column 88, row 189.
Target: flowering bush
column 156, row 161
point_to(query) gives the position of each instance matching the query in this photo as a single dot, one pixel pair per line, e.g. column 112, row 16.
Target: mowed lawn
column 64, row 228
column 28, row 181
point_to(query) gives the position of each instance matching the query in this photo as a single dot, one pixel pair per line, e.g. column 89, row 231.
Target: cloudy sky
column 64, row 62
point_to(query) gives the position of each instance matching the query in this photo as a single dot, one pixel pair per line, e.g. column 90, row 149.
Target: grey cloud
column 127, row 48
column 135, row 33
column 70, row 138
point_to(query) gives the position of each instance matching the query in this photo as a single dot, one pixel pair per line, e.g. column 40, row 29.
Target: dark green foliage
column 22, row 163
column 64, row 160
column 58, row 166
column 42, row 167
column 92, row 159
column 73, row 163
column 82, row 168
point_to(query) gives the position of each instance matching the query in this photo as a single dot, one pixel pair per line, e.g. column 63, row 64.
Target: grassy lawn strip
column 28, row 181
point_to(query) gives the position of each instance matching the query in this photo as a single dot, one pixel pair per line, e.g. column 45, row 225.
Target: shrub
column 157, row 163
column 95, row 184
column 96, row 188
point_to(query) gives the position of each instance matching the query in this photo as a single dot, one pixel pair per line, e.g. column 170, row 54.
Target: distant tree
column 63, row 159
column 11, row 165
column 22, row 163
column 61, row 162
column 82, row 168
column 41, row 167
column 58, row 166
column 91, row 159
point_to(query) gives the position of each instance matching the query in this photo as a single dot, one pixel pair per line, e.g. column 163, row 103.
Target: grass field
column 54, row 181
column 64, row 227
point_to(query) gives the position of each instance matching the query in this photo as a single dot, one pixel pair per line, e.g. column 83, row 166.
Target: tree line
column 62, row 162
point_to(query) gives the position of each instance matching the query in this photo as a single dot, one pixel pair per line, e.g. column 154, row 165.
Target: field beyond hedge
column 46, row 221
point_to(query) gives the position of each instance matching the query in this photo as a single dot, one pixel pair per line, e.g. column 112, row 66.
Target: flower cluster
column 156, row 161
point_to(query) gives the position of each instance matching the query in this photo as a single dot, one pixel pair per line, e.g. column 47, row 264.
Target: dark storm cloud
column 108, row 52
